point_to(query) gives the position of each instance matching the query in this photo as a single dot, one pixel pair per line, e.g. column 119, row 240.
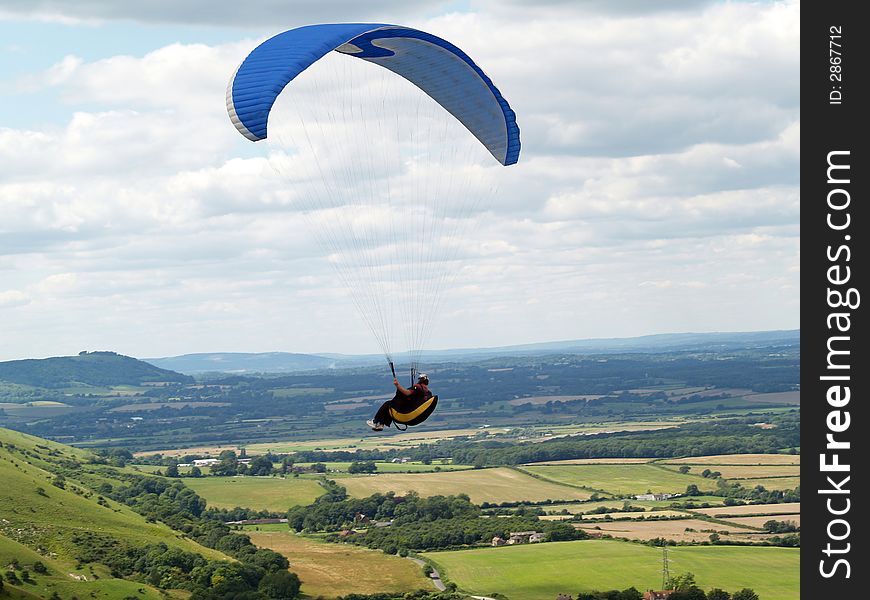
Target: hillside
column 51, row 514
column 88, row 368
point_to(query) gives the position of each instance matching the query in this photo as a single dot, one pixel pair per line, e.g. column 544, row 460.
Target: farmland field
column 749, row 471
column 532, row 572
column 390, row 467
column 332, row 570
column 591, row 461
column 622, row 479
column 482, row 485
column 635, row 515
column 773, row 483
column 674, row 530
column 738, row 459
column 759, row 521
column 262, row 493
column 754, row 509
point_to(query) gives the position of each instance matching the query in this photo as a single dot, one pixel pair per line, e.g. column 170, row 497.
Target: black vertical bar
column 833, row 325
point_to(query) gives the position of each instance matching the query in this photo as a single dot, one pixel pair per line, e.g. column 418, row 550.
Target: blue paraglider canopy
column 434, row 65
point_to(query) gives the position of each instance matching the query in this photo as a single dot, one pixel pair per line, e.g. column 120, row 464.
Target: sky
column 657, row 190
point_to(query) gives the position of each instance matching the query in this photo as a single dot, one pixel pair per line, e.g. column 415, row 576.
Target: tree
column 172, row 471
column 261, row 465
column 745, row 594
column 717, row 594
column 39, row 567
column 691, row 593
column 281, row 585
column 195, row 472
column 362, row 467
column 692, row 490
column 682, row 582
column 684, row 469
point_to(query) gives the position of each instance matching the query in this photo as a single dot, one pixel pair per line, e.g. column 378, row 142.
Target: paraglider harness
column 417, row 415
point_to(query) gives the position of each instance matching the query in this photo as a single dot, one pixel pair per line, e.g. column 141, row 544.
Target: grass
column 546, row 570
column 621, row 479
column 261, row 493
column 332, row 570
column 481, row 485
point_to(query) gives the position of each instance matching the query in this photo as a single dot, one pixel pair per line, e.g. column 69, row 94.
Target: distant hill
column 286, row 362
column 89, row 368
column 240, row 362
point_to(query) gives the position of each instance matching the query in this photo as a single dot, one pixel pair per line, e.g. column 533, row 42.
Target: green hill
column 59, row 524
column 88, row 368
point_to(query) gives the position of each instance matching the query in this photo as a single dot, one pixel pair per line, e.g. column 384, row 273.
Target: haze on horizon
column 657, row 189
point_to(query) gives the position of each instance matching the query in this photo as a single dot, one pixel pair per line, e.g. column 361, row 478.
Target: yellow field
column 673, row 530
column 759, row 521
column 774, row 483
column 754, row 509
column 482, row 485
column 633, row 515
column 738, row 459
column 332, row 570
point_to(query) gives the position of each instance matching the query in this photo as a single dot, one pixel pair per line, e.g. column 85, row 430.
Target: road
column 435, row 575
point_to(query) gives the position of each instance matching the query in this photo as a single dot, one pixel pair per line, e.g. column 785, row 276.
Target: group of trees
column 398, row 524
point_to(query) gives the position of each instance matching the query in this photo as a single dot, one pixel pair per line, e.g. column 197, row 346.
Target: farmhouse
column 498, row 541
column 654, row 496
column 657, row 595
column 205, row 462
column 524, row 537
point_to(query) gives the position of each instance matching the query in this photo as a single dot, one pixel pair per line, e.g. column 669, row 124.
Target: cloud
column 262, row 13
column 657, row 189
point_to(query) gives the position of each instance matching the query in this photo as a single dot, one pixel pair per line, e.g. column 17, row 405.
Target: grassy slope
column 59, row 577
column 482, row 485
column 545, row 570
column 269, row 493
column 332, row 570
column 44, row 524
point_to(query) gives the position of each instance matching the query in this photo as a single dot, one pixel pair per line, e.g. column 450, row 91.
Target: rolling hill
column 88, row 368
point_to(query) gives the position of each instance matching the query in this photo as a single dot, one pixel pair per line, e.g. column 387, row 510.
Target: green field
column 261, row 493
column 332, row 570
column 481, row 485
column 621, row 479
column 545, row 570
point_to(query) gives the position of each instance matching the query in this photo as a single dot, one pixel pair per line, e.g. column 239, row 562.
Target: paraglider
column 389, row 163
